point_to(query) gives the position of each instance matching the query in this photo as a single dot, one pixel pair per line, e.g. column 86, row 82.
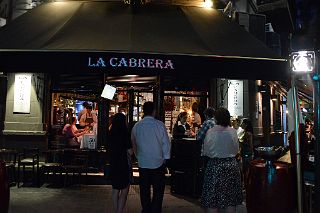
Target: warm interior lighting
column 130, row 76
column 274, row 97
column 207, row 4
column 262, row 88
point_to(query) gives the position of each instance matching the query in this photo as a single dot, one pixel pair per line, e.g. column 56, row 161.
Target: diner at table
column 74, row 135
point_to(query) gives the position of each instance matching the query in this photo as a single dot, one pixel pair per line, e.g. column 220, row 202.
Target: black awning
column 61, row 36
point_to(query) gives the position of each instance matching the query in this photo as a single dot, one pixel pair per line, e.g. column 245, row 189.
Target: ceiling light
column 130, row 76
column 274, row 97
column 207, row 4
column 262, row 88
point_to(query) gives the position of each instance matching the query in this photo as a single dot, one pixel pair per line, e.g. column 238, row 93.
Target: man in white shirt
column 151, row 145
column 84, row 110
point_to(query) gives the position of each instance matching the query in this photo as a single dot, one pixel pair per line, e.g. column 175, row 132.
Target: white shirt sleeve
column 166, row 145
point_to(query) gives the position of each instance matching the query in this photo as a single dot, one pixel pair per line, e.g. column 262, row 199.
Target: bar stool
column 29, row 157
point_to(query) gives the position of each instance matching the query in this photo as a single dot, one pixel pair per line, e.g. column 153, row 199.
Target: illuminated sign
column 303, row 61
column 148, row 63
column 22, row 93
column 235, row 98
column 108, row 92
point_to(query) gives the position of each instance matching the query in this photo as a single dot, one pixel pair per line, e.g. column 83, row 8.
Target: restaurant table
column 89, row 141
column 270, row 188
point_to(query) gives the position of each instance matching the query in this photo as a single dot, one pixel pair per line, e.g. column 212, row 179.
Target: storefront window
column 67, row 105
column 122, row 102
column 176, row 102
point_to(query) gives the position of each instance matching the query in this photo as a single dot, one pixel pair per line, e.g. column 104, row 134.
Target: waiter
column 89, row 118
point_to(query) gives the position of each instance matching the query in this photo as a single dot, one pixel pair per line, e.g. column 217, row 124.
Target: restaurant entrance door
column 132, row 92
column 129, row 101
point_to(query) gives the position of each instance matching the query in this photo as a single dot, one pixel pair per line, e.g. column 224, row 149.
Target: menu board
column 235, row 98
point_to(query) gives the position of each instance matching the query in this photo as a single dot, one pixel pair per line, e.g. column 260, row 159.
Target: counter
column 186, row 167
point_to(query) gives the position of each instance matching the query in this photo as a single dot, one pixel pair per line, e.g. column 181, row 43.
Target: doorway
column 129, row 101
column 132, row 91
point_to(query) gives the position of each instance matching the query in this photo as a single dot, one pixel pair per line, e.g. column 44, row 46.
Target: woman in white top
column 222, row 180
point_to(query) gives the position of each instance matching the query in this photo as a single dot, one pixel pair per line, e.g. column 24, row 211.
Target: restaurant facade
column 172, row 55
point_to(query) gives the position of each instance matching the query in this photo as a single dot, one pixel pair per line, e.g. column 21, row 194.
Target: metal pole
column 316, row 108
column 295, row 107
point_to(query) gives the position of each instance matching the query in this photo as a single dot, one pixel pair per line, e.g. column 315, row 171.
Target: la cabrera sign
column 126, row 62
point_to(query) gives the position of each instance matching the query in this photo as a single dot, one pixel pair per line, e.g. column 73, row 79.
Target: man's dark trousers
column 156, row 179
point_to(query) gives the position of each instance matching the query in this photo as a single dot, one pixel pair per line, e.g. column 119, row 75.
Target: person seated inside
column 88, row 119
column 181, row 128
column 73, row 135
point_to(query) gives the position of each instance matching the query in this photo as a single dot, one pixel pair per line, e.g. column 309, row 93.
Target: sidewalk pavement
column 92, row 198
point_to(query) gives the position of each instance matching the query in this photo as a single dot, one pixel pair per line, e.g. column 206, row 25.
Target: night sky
column 307, row 27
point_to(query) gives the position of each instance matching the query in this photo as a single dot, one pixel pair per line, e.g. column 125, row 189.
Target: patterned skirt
column 222, row 184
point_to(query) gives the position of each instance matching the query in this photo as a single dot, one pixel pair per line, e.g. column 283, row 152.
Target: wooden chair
column 75, row 163
column 52, row 166
column 29, row 158
column 9, row 156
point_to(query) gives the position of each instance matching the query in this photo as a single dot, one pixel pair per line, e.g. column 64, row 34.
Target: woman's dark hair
column 148, row 108
column 248, row 125
column 119, row 124
column 222, row 117
column 73, row 119
column 181, row 115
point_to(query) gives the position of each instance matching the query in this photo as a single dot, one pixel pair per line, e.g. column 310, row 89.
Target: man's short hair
column 209, row 112
column 89, row 107
column 148, row 108
column 85, row 104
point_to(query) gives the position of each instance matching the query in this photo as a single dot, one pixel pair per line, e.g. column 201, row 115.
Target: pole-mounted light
column 301, row 63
